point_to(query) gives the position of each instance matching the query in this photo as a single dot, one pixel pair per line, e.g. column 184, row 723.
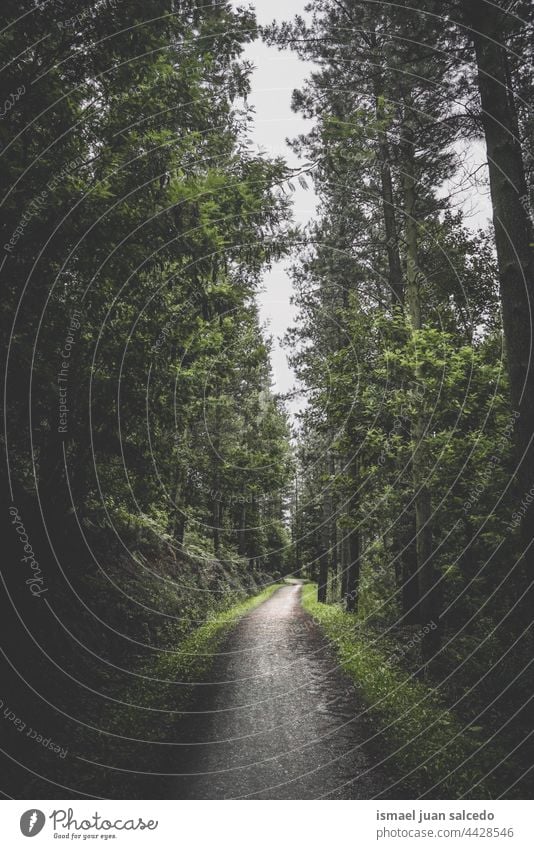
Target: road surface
column 279, row 720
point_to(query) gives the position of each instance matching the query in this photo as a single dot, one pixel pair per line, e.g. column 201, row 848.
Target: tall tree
column 490, row 27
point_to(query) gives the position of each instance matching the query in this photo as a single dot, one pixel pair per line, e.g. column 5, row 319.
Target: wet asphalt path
column 279, row 720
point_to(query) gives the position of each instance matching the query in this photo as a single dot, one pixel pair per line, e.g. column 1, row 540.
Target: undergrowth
column 435, row 753
column 143, row 723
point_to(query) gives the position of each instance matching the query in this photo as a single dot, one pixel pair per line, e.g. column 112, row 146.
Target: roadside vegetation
column 155, row 480
column 152, row 707
column 421, row 739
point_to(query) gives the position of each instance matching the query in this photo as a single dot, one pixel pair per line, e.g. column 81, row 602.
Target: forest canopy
column 153, row 474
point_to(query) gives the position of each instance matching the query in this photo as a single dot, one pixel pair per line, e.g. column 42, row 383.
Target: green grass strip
column 426, row 740
column 194, row 656
column 149, row 709
column 156, row 701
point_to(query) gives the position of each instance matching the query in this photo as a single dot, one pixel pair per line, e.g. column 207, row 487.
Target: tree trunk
column 334, row 565
column 345, row 560
column 178, row 512
column 353, row 548
column 353, row 571
column 324, row 536
column 242, row 531
column 429, row 604
column 515, row 243
column 396, row 281
column 409, row 574
column 178, row 526
column 296, row 529
column 216, row 514
column 323, row 575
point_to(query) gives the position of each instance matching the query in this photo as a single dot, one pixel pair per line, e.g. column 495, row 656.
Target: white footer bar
column 259, row 824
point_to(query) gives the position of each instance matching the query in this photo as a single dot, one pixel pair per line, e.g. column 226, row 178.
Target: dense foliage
column 415, row 448
column 152, row 482
column 147, row 456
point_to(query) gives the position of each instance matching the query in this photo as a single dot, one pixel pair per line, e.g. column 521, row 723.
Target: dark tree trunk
column 216, row 527
column 323, row 576
column 324, row 536
column 332, row 506
column 178, row 515
column 409, row 573
column 345, row 560
column 353, row 571
column 396, row 280
column 242, row 530
column 429, row 590
column 514, row 240
column 296, row 530
column 178, row 531
column 353, row 547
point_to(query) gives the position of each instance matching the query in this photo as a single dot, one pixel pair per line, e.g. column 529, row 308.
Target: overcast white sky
column 276, row 75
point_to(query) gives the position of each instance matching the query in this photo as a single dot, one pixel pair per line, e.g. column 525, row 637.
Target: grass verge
column 164, row 684
column 432, row 750
column 194, row 657
column 149, row 709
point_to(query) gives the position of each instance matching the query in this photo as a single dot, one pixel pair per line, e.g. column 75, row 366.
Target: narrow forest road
column 280, row 720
